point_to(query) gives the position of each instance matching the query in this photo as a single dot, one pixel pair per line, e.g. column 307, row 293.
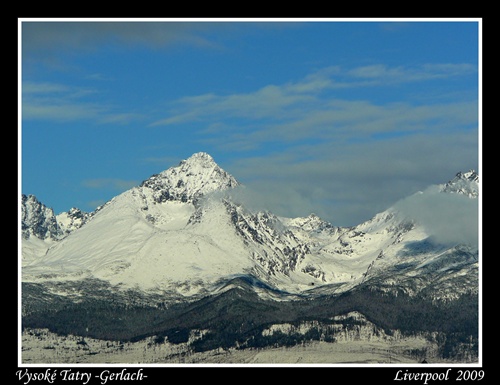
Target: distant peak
column 466, row 183
column 469, row 175
column 201, row 155
column 38, row 219
column 201, row 158
column 311, row 223
column 192, row 178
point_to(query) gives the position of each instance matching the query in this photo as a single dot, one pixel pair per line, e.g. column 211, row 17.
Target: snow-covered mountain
column 41, row 228
column 38, row 220
column 189, row 181
column 178, row 261
column 69, row 221
column 179, row 232
column 466, row 183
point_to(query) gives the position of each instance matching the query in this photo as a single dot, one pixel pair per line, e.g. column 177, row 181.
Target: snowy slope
column 72, row 220
column 39, row 228
column 140, row 237
column 178, row 232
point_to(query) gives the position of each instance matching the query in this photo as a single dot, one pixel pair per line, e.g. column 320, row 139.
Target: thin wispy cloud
column 397, row 75
column 314, row 91
column 165, row 161
column 310, row 109
column 268, row 102
column 98, row 76
column 271, row 101
column 59, row 111
column 30, row 88
column 58, row 102
column 45, row 37
column 64, row 103
column 109, row 183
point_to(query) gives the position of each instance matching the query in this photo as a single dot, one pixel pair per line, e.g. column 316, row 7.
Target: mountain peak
column 199, row 158
column 192, row 178
column 311, row 223
column 466, row 183
column 469, row 175
column 38, row 219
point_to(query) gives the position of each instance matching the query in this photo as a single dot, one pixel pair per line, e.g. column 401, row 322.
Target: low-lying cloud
column 271, row 197
column 449, row 218
column 109, row 183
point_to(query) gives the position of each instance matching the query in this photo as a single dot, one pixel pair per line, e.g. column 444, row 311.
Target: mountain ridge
column 191, row 179
column 176, row 262
column 180, row 231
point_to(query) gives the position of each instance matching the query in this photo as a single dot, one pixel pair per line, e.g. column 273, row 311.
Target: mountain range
column 184, row 238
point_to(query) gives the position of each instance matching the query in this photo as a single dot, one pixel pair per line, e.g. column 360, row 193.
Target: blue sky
column 337, row 117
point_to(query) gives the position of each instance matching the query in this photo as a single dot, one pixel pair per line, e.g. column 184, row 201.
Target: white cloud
column 449, row 218
column 269, row 102
column 265, row 196
column 348, row 183
column 384, row 73
column 310, row 107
